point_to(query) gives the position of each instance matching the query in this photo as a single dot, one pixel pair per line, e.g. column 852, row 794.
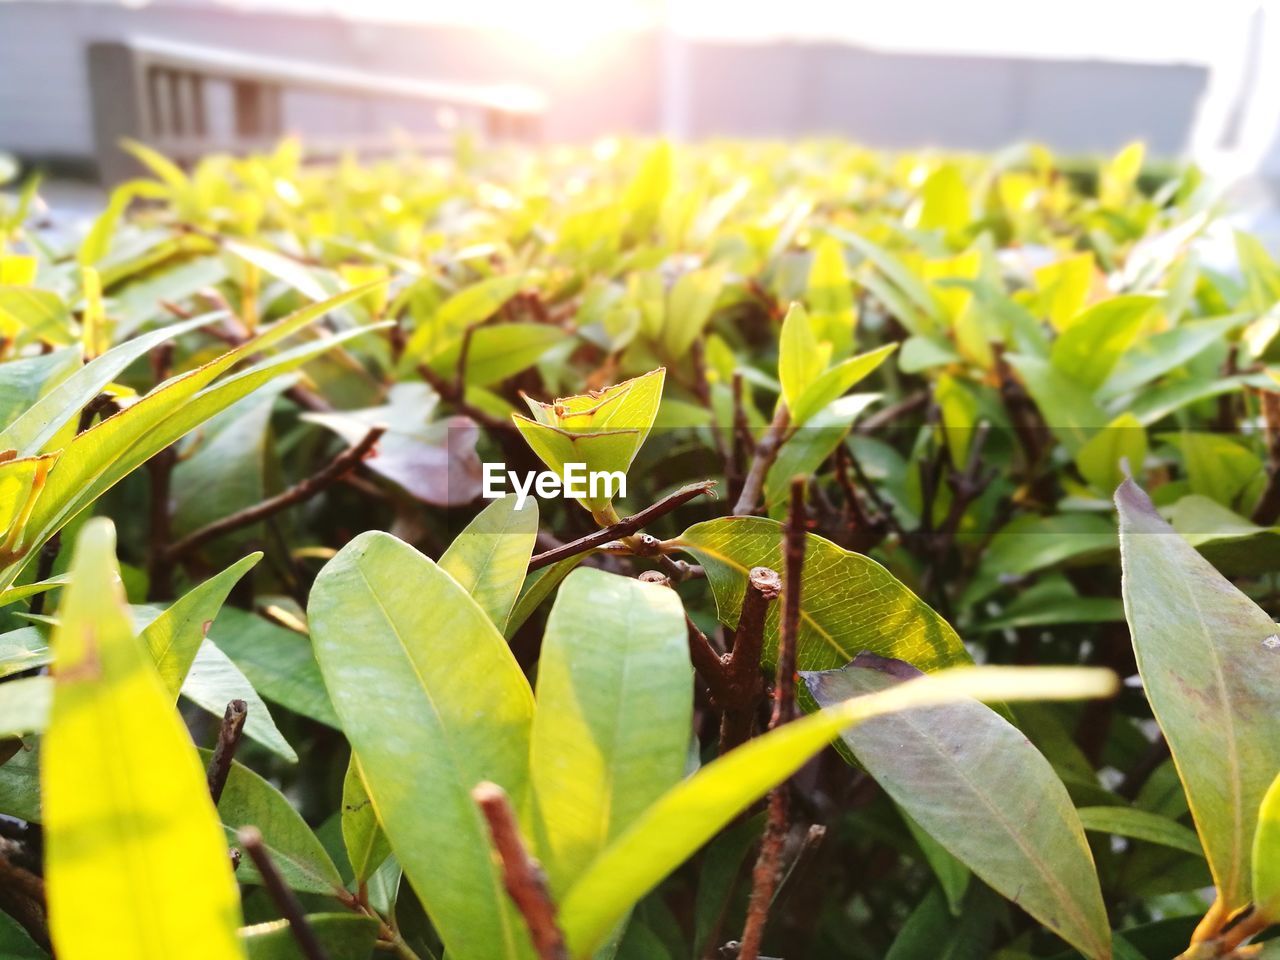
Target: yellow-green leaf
column 615, row 699
column 134, row 854
column 674, row 827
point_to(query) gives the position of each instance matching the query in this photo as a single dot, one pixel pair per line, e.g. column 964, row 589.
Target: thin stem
column 251, row 840
column 22, row 897
column 44, row 569
column 1267, row 510
column 624, row 527
column 766, row 452
column 743, row 664
column 526, row 883
column 336, row 469
column 228, row 740
column 764, row 878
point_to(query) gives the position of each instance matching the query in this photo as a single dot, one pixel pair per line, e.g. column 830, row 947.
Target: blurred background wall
column 667, row 68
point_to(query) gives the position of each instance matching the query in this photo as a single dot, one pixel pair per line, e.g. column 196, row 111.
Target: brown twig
column 765, row 453
column 22, row 898
column 449, row 391
column 742, row 666
column 1267, row 510
column 526, row 883
column 877, row 421
column 335, row 470
column 251, row 840
column 228, row 741
column 624, row 527
column 706, row 660
column 44, row 569
column 764, row 878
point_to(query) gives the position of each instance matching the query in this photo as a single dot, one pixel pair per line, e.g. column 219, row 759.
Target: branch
column 761, row 461
column 228, row 740
column 44, row 569
column 22, row 898
column 524, row 879
column 624, row 527
column 251, row 839
column 764, row 878
column 883, row 418
column 1267, row 510
column 743, row 664
column 337, row 468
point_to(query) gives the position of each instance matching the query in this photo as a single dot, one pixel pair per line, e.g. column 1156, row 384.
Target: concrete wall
column 777, row 90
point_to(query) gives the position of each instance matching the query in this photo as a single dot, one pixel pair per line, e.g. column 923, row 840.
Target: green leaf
column 249, row 800
column 126, row 806
column 1207, row 656
column 953, row 876
column 22, row 649
column 385, row 617
column 539, row 585
column 24, row 706
column 498, row 351
column 974, row 783
column 1140, row 825
column 29, row 314
column 365, row 842
column 686, row 817
column 944, row 201
column 489, row 558
column 14, row 594
column 615, row 699
column 343, row 936
column 1266, row 854
column 689, row 307
column 174, row 637
column 1087, row 351
column 24, row 381
column 1066, row 404
column 834, row 383
column 603, row 430
column 225, row 470
column 214, row 681
column 900, row 279
column 1032, row 543
column 1064, row 287
column 829, row 294
column 801, row 357
column 805, row 450
column 29, row 433
column 278, row 662
column 933, row 931
column 849, row 603
column 99, row 457
column 1219, row 467
column 1122, row 441
column 466, row 308
column 1155, row 356
column 297, row 275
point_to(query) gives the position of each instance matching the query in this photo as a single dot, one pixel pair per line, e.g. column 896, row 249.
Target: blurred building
column 343, row 79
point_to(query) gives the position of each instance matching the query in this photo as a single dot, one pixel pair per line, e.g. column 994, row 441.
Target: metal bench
column 188, row 100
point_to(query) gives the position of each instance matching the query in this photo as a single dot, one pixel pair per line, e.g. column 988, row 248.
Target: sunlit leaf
column 383, row 614
column 125, row 801
column 615, row 699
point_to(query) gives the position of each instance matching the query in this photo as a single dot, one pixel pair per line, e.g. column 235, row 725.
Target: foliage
column 1036, row 433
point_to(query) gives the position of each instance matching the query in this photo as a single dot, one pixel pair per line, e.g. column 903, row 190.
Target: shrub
column 294, row 688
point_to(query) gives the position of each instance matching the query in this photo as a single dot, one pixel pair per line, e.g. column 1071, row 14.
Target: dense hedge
column 962, row 357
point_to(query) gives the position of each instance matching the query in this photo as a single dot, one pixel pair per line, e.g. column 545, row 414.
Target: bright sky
column 1195, row 31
